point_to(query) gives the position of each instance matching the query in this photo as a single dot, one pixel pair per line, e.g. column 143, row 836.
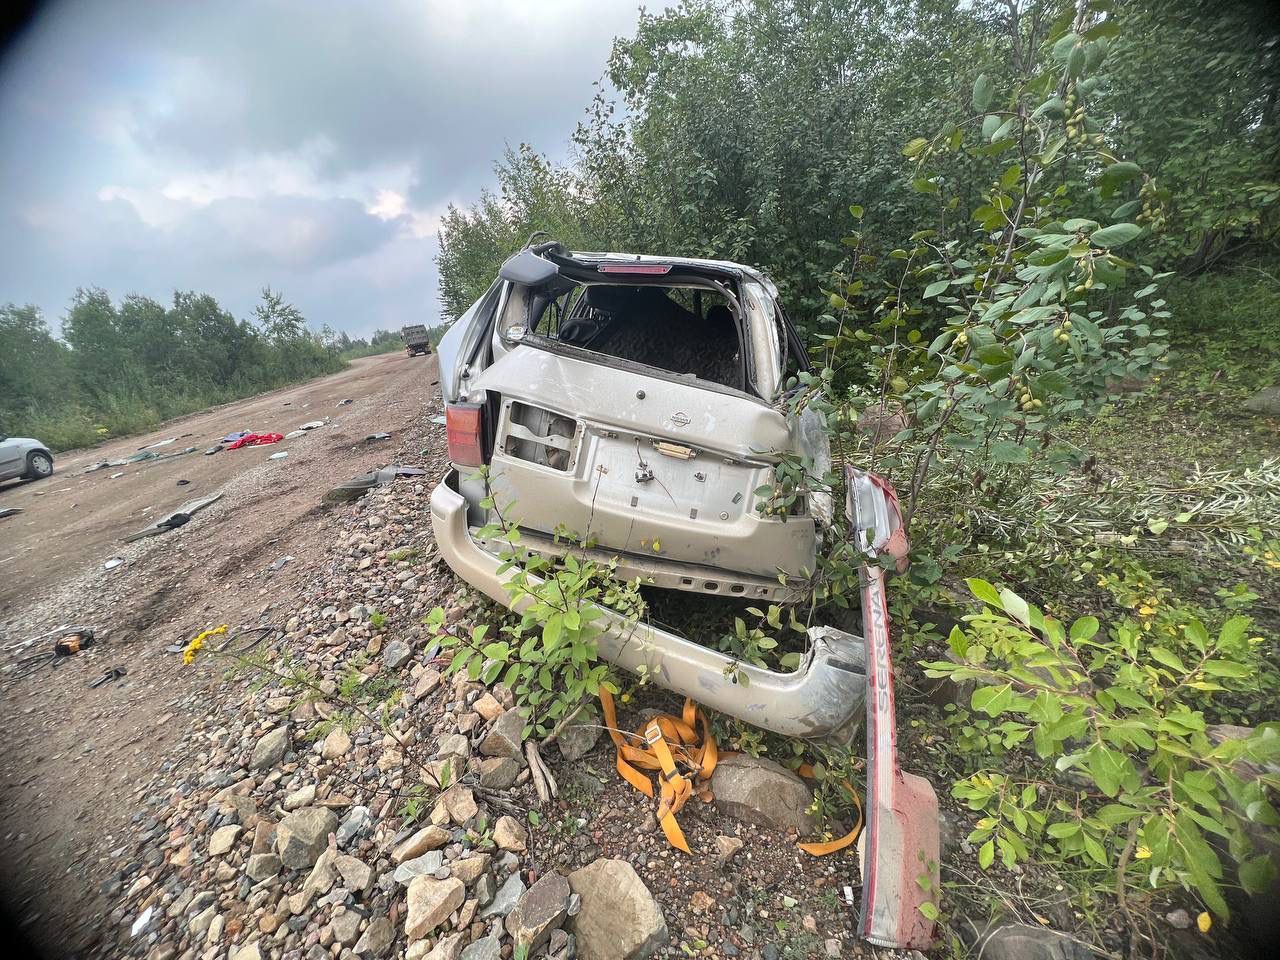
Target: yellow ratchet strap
column 682, row 751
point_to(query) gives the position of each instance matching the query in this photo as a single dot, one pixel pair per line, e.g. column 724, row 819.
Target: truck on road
column 415, row 340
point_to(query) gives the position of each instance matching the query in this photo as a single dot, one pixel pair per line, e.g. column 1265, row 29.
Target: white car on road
column 24, row 457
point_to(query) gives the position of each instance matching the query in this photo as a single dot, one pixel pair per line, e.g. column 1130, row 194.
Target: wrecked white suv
column 636, row 401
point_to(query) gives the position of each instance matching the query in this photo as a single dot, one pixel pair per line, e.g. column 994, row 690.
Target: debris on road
column 377, row 436
column 175, row 519
column 357, row 487
column 159, row 443
column 343, row 403
column 237, row 435
column 9, row 511
column 279, row 564
column 214, row 449
column 139, row 457
column 279, row 456
column 312, row 425
column 72, row 643
column 183, row 482
column 114, row 673
column 113, row 563
column 255, row 440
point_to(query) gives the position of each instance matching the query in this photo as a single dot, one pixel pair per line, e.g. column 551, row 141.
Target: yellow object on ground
column 684, row 761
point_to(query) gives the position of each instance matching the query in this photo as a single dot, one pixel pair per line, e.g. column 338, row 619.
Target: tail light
column 464, row 429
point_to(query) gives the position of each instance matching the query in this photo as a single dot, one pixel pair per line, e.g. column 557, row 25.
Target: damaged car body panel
column 640, row 475
column 822, row 699
column 644, row 418
column 638, row 403
column 901, row 845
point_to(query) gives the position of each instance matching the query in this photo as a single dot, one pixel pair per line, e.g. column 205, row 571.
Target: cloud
column 311, row 144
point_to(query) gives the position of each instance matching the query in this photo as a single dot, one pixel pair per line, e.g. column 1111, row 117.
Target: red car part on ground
column 901, row 843
column 256, row 440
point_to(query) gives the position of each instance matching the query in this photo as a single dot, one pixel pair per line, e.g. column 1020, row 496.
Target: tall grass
column 122, row 414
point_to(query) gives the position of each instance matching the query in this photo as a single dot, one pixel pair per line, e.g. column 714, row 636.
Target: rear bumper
column 823, row 699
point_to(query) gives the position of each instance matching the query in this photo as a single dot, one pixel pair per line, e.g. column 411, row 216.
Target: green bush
column 1130, row 782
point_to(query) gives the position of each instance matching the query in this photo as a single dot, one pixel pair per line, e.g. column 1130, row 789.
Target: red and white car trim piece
column 901, row 843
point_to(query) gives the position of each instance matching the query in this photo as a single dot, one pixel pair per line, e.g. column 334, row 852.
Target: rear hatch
column 639, row 463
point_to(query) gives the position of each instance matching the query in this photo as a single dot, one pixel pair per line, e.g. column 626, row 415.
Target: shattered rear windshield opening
column 686, row 330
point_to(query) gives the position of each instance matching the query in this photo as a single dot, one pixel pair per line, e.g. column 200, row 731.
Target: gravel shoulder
column 76, row 754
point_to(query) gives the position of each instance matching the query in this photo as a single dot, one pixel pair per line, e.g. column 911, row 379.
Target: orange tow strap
column 685, row 762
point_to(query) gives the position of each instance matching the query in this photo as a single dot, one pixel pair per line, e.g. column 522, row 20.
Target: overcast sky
column 308, row 144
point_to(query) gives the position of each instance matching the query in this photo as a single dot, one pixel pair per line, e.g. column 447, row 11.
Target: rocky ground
column 278, row 803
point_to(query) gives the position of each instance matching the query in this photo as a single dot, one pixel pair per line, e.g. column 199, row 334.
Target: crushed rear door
column 640, row 463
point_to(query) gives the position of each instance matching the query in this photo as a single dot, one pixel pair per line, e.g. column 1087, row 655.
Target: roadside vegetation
column 1033, row 246
column 124, row 368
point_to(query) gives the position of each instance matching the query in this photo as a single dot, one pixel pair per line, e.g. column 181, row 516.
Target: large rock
column 1265, row 403
column 762, row 792
column 486, row 948
column 428, row 838
column 377, row 938
column 422, row 866
column 506, row 898
column 542, row 909
column 460, row 803
column 430, row 902
column 505, row 737
column 270, row 750
column 579, row 735
column 223, row 839
column 469, row 869
column 346, row 926
column 357, row 876
column 303, row 835
column 499, row 773
column 510, row 834
column 619, row 919
column 336, row 744
column 396, row 654
column 488, row 707
column 449, row 948
column 262, row 866
column 1018, row 941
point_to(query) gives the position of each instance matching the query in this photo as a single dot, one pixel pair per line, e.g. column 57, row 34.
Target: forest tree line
column 121, row 368
column 747, row 130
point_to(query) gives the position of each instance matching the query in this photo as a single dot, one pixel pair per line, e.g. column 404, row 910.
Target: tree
column 101, row 357
column 36, row 371
column 280, row 321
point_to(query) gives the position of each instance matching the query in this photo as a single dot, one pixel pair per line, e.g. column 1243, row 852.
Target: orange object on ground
column 671, row 744
column 685, row 761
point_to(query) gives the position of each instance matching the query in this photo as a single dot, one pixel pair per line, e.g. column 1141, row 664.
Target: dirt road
column 75, row 520
column 74, row 754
